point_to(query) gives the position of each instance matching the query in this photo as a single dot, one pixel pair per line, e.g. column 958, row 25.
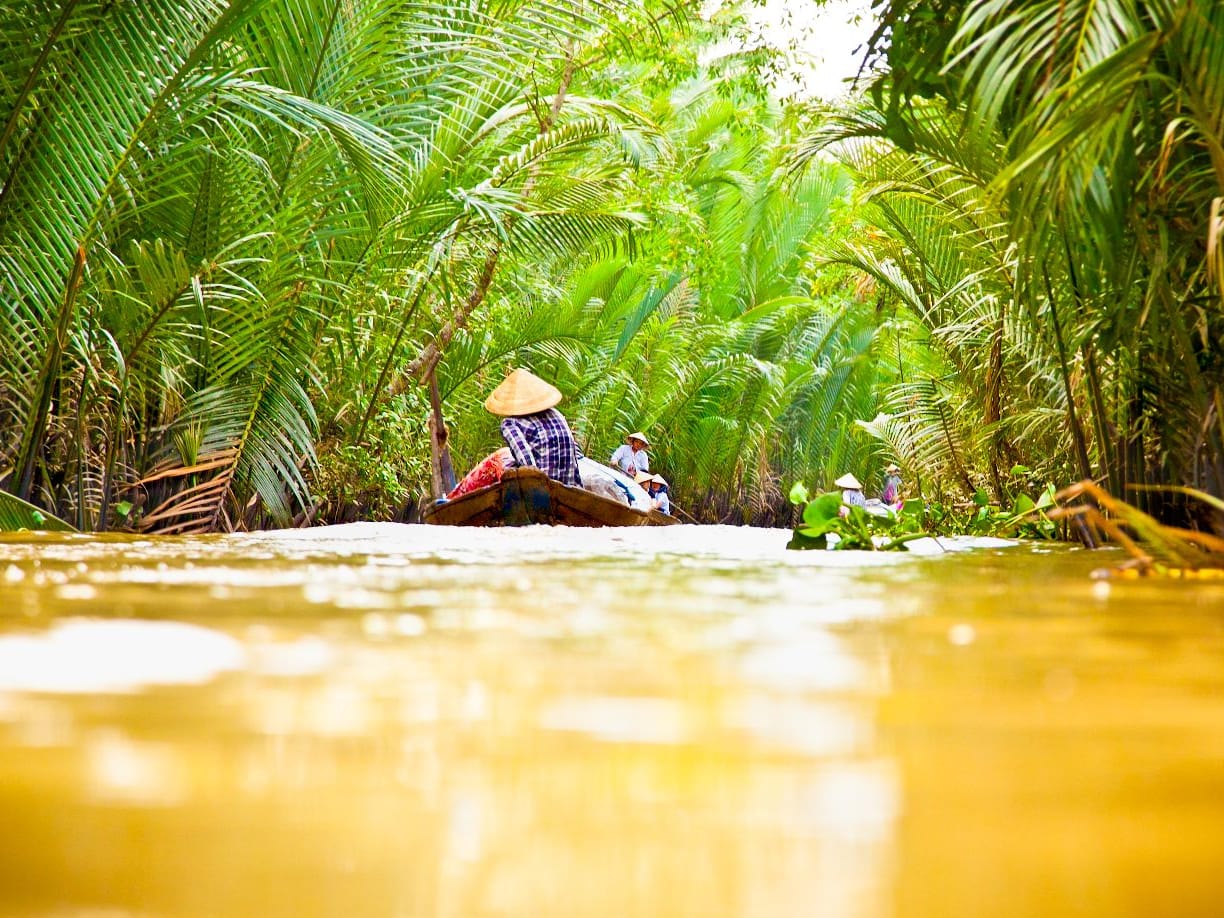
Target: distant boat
column 527, row 496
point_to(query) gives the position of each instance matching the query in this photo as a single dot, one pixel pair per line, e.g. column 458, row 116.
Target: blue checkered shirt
column 543, row 440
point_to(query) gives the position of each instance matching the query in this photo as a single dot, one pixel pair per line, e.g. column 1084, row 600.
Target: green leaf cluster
column 853, row 528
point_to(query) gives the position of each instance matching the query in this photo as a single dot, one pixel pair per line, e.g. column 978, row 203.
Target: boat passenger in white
column 656, row 487
column 852, row 492
column 631, row 456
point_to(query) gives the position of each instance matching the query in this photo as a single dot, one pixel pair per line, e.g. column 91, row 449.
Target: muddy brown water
column 403, row 720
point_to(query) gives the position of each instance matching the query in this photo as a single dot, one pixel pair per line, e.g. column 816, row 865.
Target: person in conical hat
column 656, row 487
column 522, row 393
column 852, row 491
column 631, row 456
column 891, row 492
column 536, row 432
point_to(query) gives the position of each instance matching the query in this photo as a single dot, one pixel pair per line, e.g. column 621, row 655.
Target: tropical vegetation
column 245, row 248
column 1045, row 183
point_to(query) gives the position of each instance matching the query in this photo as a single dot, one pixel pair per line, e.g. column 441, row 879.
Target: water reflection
column 84, row 656
column 402, row 720
column 121, row 771
column 619, row 720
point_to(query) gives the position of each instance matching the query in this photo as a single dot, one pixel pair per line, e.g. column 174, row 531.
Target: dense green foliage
column 1045, row 184
column 238, row 239
column 236, row 236
column 710, row 337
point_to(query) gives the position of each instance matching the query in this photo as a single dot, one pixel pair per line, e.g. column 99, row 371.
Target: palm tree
column 939, row 248
column 206, row 206
column 708, row 336
column 1070, row 167
column 150, row 298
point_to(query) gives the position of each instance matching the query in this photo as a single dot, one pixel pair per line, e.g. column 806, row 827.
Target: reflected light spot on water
column 809, row 661
column 82, row 655
column 823, row 729
column 465, row 830
column 337, row 710
column 318, row 593
column 307, row 656
column 360, row 598
column 37, row 723
column 479, row 616
column 860, row 801
column 409, row 625
column 123, row 771
column 421, row 705
column 375, row 626
column 330, row 709
column 618, row 720
column 76, row 591
column 475, row 702
column 962, row 635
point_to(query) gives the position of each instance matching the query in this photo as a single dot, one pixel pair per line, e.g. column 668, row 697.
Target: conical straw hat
column 892, row 468
column 660, row 479
column 642, row 477
column 638, row 435
column 522, row 392
column 848, row 481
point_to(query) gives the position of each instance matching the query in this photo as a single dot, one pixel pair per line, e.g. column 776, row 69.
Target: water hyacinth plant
column 852, row 527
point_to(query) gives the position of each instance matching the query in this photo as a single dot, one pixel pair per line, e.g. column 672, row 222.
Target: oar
column 690, row 516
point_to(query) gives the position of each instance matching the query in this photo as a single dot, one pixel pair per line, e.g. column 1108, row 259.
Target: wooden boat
column 527, row 496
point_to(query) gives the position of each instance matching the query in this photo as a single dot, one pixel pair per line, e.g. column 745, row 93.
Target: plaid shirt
column 543, row 440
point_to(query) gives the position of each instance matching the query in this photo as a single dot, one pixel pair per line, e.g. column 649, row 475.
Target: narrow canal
column 403, row 720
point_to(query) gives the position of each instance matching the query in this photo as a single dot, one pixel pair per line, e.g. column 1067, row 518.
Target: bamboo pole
column 442, row 473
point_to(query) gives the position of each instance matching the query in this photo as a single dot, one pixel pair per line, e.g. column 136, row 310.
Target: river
column 378, row 719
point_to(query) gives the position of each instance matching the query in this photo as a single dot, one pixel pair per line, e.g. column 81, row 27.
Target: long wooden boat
column 527, row 496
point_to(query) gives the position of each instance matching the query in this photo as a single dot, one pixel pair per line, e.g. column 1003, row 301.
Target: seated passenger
column 535, row 431
column 852, row 492
column 536, row 434
column 656, row 487
column 891, row 494
column 609, row 482
column 631, row 457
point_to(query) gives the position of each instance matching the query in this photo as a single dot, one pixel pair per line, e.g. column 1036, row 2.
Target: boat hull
column 527, row 496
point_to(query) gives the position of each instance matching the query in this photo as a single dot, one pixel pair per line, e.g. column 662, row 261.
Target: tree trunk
column 423, row 365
